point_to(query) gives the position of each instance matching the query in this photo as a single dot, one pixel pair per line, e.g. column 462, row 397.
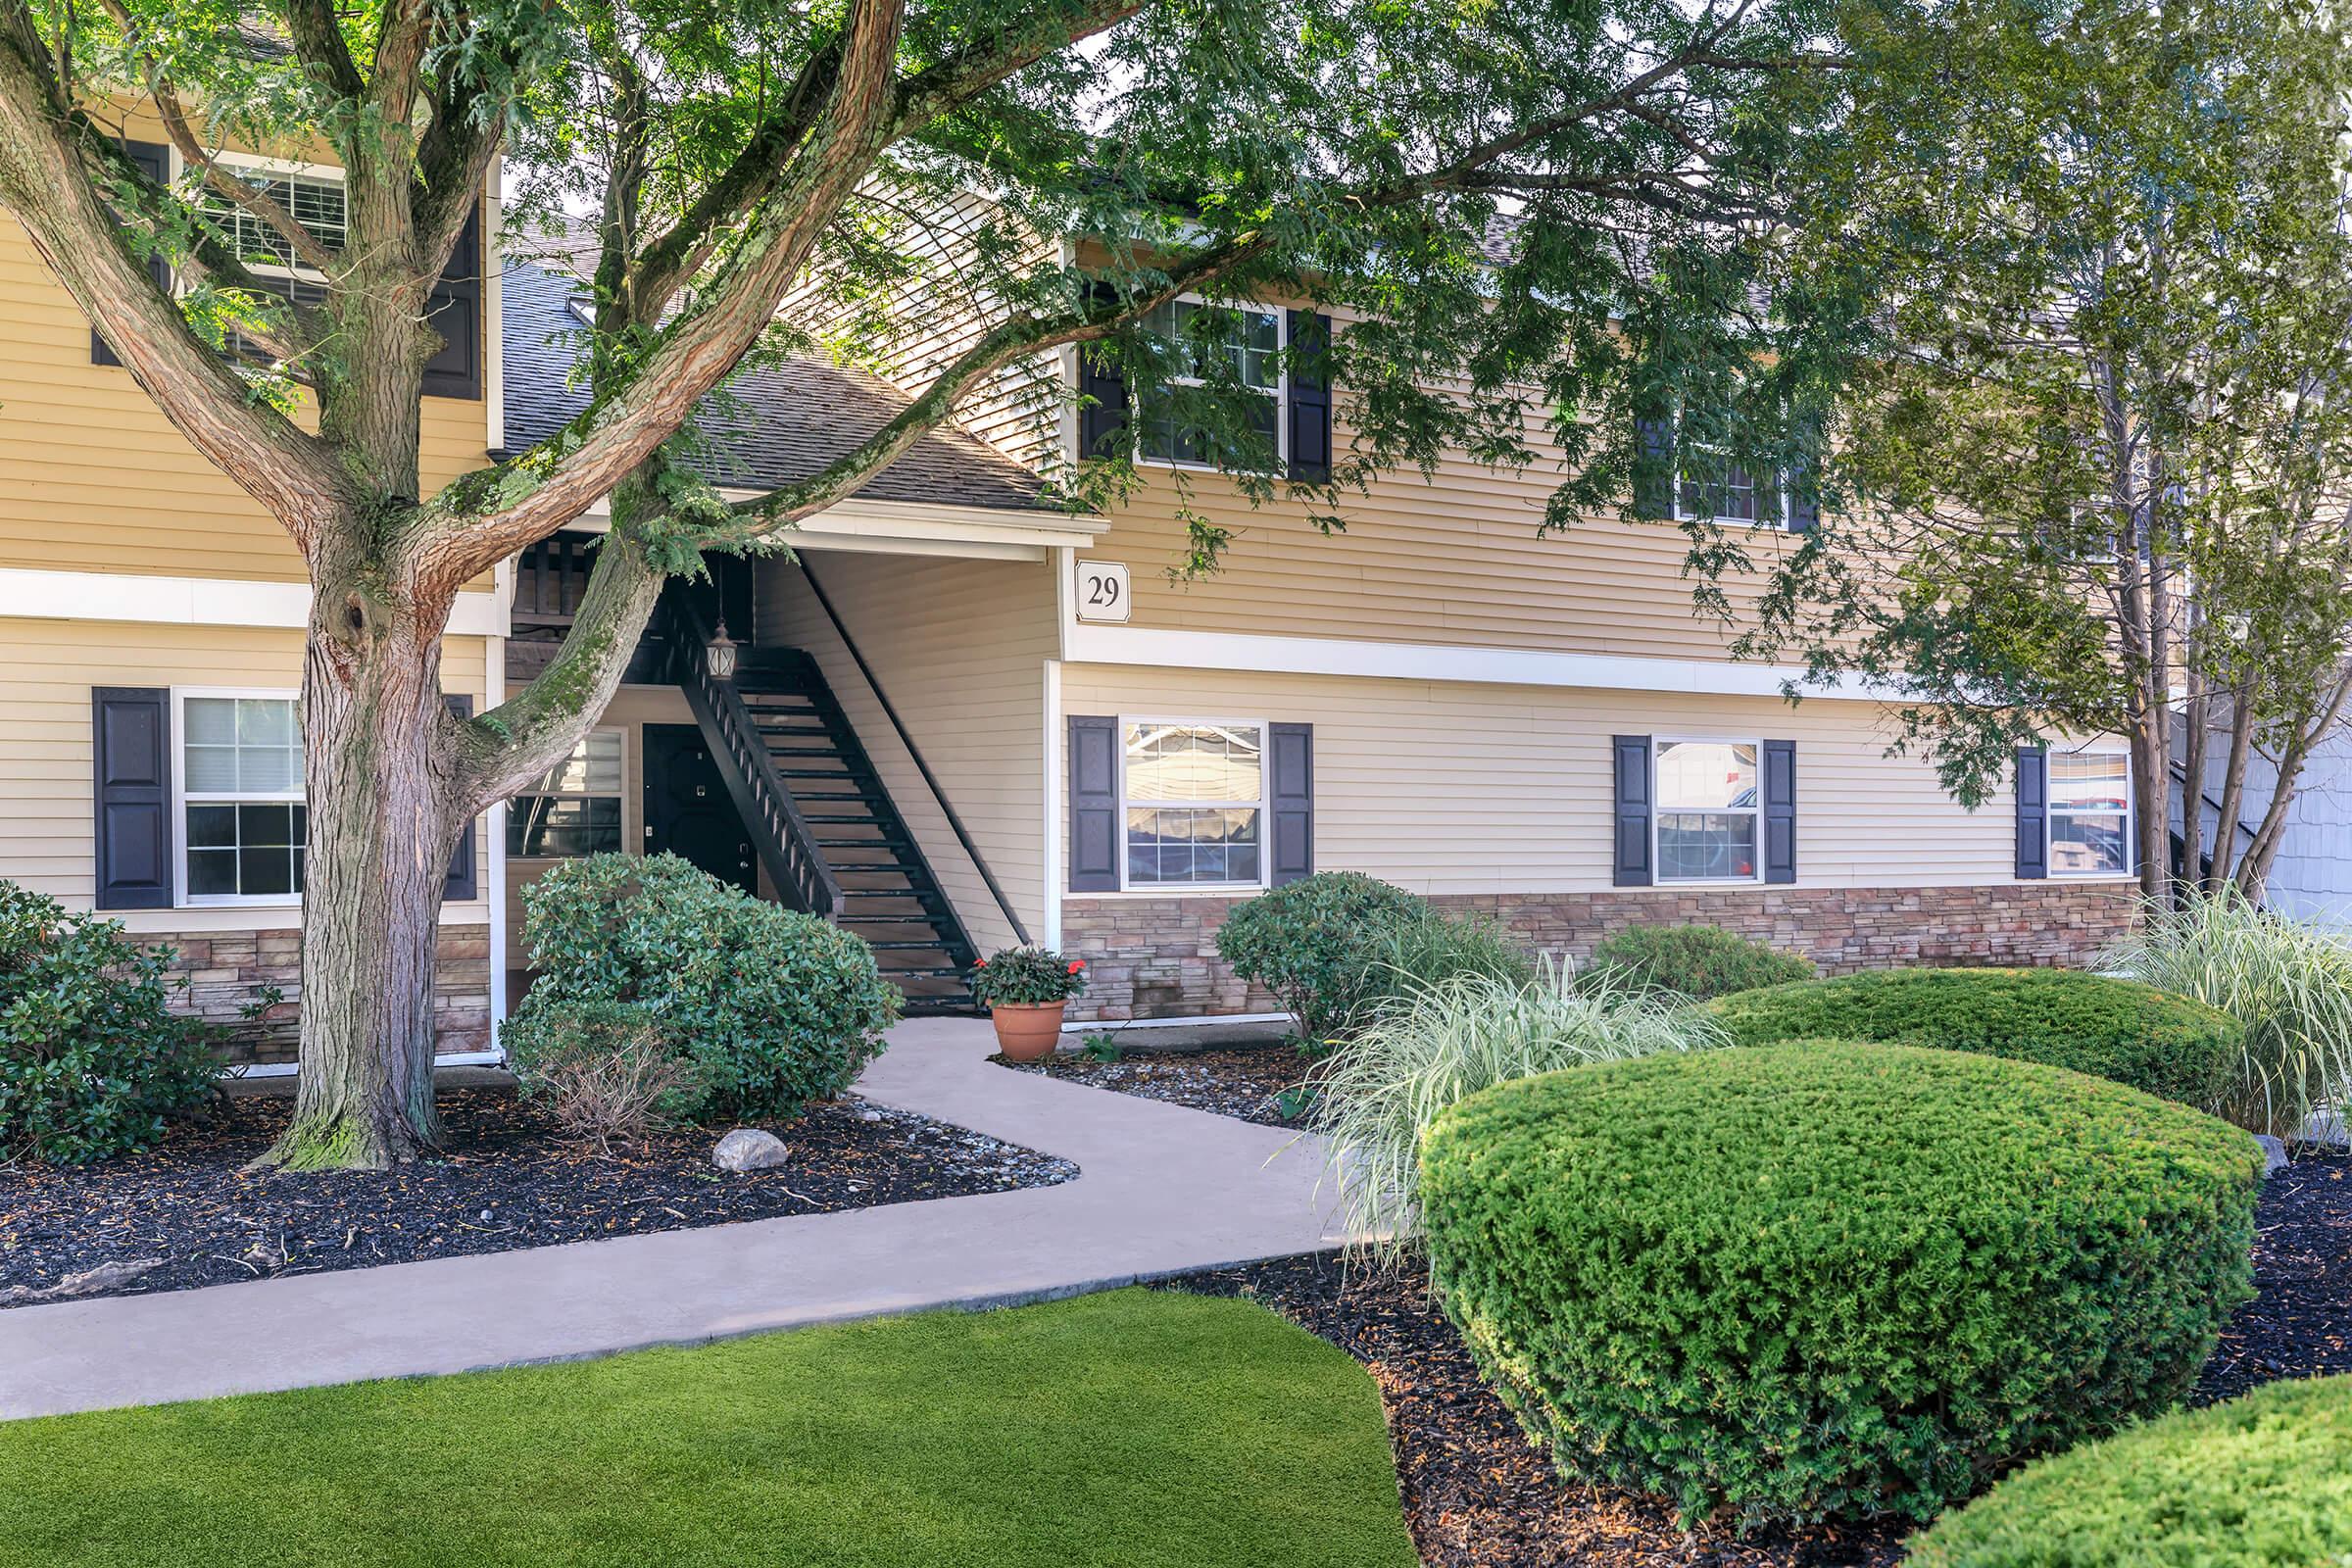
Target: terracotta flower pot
column 1026, row 1030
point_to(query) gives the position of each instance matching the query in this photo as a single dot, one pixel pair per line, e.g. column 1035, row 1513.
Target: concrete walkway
column 1161, row 1190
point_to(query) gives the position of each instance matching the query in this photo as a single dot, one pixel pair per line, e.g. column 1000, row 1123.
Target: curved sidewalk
column 1161, row 1190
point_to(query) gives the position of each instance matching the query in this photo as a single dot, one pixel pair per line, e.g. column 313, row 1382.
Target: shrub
column 2261, row 1482
column 1026, row 975
column 603, row 1070
column 2118, row 1029
column 1428, row 1048
column 1822, row 1279
column 1699, row 962
column 2287, row 981
column 1436, row 948
column 92, row 1059
column 1312, row 942
column 776, row 1008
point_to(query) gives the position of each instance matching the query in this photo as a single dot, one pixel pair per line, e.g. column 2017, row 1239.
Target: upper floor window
column 1194, row 804
column 315, row 201
column 1248, row 342
column 2091, row 813
column 1706, row 810
column 242, row 819
column 575, row 808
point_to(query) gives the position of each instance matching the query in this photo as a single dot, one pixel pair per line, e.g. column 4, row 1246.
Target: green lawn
column 1132, row 1428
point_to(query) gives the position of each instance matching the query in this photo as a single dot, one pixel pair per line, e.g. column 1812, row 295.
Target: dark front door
column 687, row 810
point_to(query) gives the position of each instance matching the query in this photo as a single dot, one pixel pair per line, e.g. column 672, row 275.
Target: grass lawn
column 1126, row 1429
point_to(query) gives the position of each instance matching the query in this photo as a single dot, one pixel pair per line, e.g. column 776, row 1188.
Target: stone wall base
column 1157, row 957
column 227, row 969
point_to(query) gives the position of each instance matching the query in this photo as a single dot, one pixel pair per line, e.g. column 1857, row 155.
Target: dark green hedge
column 1826, row 1279
column 2135, row 1034
column 2262, row 1481
column 1696, row 960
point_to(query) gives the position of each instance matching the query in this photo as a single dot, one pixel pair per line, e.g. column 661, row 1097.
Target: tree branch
column 940, row 88
column 317, row 38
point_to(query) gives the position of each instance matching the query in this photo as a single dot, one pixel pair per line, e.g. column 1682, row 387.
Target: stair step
column 904, row 947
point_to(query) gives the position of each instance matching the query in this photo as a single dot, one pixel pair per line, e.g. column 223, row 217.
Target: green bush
column 775, row 1007
column 2135, row 1034
column 1434, row 949
column 1698, row 960
column 2290, row 982
column 1313, row 943
column 2261, row 1482
column 1824, row 1279
column 603, row 1070
column 92, row 1059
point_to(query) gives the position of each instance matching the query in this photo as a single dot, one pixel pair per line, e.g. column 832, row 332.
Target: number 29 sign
column 1101, row 591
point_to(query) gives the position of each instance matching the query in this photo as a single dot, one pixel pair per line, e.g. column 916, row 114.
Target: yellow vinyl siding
column 959, row 646
column 1446, row 787
column 47, row 669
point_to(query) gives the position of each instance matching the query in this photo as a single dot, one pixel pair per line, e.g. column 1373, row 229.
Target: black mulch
column 1478, row 1496
column 506, row 1183
column 1244, row 1081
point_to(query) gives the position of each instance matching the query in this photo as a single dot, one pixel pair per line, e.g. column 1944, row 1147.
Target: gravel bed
column 1478, row 1496
column 1244, row 1081
column 506, row 1182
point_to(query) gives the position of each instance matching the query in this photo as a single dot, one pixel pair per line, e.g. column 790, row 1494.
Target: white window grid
column 182, row 797
column 1265, row 848
column 1279, row 393
column 2122, row 816
column 539, row 788
column 1659, row 809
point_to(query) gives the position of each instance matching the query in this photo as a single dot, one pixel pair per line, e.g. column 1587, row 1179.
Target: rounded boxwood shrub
column 1698, row 960
column 2261, row 1482
column 2135, row 1034
column 92, row 1058
column 773, row 1007
column 1315, row 943
column 1827, row 1279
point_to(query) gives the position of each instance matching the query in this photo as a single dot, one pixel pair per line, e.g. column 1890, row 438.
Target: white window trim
column 299, row 272
column 181, row 898
column 1280, row 392
column 621, row 795
column 1658, row 809
column 2053, row 811
column 1780, row 491
column 1266, row 811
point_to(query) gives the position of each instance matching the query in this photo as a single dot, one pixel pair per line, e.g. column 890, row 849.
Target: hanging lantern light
column 721, row 653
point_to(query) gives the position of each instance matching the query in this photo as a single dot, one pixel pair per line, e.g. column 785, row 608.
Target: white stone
column 2274, row 1154
column 748, row 1148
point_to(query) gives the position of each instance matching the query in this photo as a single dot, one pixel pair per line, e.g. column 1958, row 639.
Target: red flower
column 1076, row 964
column 979, row 963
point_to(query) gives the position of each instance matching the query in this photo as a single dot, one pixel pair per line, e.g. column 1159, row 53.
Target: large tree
column 1530, row 208
column 2096, row 473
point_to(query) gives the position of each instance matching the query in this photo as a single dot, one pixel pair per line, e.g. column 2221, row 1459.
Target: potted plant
column 1026, row 990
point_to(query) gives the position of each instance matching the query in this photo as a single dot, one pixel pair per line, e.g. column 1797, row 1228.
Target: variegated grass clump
column 1438, row 1042
column 2290, row 982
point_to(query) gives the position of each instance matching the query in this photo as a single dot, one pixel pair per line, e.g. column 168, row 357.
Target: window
column 1706, row 810
column 1728, row 495
column 1194, row 804
column 2091, row 813
column 315, row 201
column 240, row 786
column 575, row 809
column 1249, row 341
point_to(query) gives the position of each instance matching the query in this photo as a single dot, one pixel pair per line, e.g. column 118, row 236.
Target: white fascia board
column 38, row 594
column 916, row 527
column 1093, row 644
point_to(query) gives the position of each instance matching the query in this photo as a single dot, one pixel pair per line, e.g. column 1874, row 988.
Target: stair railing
column 897, row 727
column 783, row 837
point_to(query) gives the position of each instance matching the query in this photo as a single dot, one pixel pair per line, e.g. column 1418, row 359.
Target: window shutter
column 2032, row 813
column 1633, row 869
column 1093, row 804
column 1310, row 395
column 462, row 885
column 1291, row 793
column 1804, row 500
column 154, row 161
column 1102, row 424
column 1780, row 810
column 1654, row 471
column 455, row 310
column 130, row 742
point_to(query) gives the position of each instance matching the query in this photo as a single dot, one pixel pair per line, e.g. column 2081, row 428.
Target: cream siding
column 960, row 648
column 1442, row 786
column 46, row 768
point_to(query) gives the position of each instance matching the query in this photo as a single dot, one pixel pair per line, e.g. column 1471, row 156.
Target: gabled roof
column 787, row 420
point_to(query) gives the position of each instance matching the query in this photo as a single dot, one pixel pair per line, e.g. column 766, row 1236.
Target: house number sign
column 1102, row 590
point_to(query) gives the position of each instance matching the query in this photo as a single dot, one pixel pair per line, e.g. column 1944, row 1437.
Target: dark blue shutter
column 1780, row 810
column 1804, row 498
column 1653, row 470
column 1633, row 869
column 455, row 310
column 1093, row 804
column 154, row 161
column 2033, row 811
column 1102, row 423
column 130, row 745
column 1310, row 395
column 461, row 885
column 1290, row 792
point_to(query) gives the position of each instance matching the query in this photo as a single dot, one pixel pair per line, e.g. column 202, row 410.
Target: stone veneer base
column 226, row 969
column 1157, row 958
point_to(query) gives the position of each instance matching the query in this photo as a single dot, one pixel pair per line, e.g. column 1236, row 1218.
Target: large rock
column 2274, row 1154
column 748, row 1148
